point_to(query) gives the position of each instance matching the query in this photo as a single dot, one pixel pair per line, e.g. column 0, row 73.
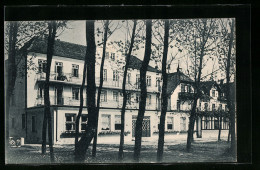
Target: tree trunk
column 230, row 105
column 197, row 91
column 220, row 127
column 164, row 93
column 83, row 144
column 12, row 71
column 121, row 146
column 94, row 148
column 142, row 103
column 47, row 112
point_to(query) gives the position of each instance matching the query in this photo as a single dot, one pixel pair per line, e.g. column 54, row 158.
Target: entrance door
column 59, row 91
column 146, row 132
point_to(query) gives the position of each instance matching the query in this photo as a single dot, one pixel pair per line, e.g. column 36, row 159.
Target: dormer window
column 213, row 107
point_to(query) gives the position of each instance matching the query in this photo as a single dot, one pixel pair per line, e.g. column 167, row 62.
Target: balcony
column 109, row 83
column 65, row 77
column 186, row 96
column 69, row 101
column 66, row 101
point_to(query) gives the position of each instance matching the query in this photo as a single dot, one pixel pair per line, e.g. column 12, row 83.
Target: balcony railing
column 108, row 83
column 64, row 77
column 68, row 101
column 186, row 96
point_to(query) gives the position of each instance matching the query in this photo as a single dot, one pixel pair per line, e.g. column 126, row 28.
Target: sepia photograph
column 120, row 91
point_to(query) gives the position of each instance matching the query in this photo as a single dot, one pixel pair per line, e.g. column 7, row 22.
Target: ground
column 209, row 151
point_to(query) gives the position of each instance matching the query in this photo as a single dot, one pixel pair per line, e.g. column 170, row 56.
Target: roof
column 61, row 48
column 206, row 86
column 136, row 63
column 174, row 79
column 76, row 51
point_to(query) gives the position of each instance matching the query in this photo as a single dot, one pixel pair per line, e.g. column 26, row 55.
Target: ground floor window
column 70, row 121
column 170, row 123
column 216, row 123
column 84, row 121
column 117, row 122
column 225, row 123
column 23, row 121
column 105, row 122
column 206, row 123
column 33, row 123
column 183, row 123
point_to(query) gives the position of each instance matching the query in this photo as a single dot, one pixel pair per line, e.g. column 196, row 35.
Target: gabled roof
column 206, row 86
column 174, row 79
column 76, row 51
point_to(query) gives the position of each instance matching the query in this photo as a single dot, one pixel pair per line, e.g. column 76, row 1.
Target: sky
column 75, row 33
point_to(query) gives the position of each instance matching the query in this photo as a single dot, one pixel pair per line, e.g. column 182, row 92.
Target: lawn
column 107, row 153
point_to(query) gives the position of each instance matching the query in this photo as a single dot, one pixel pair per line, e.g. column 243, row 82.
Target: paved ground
column 202, row 151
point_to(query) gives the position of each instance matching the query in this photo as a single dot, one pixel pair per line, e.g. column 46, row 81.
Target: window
column 182, row 88
column 138, row 81
column 220, row 107
column 178, row 105
column 213, row 93
column 115, row 96
column 75, row 93
column 115, row 75
column 70, row 121
column 158, row 102
column 12, row 122
column 105, row 75
column 137, row 97
column 103, row 96
column 189, row 89
column 113, row 56
column 75, row 70
column 84, row 121
column 129, row 96
column 206, row 106
column 170, row 123
column 206, row 123
column 40, row 92
column 105, row 122
column 42, row 66
column 213, row 107
column 33, row 123
column 129, row 78
column 23, row 121
column 216, row 123
column 148, row 99
column 117, row 122
column 148, row 81
column 183, row 123
column 107, row 55
column 157, row 82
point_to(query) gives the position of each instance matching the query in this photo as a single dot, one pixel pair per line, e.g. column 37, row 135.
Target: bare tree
column 164, row 93
column 94, row 148
column 82, row 145
column 142, row 103
column 121, row 147
column 203, row 29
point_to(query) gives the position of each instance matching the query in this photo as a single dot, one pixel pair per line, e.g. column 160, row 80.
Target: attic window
column 113, row 56
column 42, row 66
column 213, row 93
column 182, row 88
